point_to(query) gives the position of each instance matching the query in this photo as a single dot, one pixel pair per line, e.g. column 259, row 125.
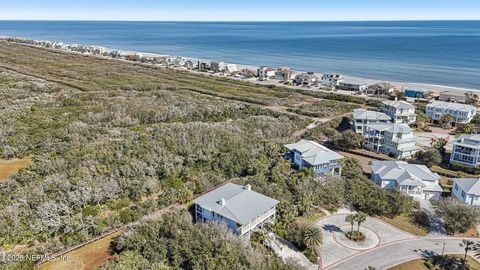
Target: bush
column 421, row 218
column 355, row 236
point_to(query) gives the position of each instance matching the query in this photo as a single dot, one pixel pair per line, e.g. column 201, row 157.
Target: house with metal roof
column 467, row 190
column 461, row 113
column 413, row 180
column 306, row 154
column 239, row 207
column 466, row 150
column 363, row 117
column 401, row 112
column 396, row 140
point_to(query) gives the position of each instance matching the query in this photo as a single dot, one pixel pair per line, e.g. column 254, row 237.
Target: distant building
column 265, row 73
column 240, row 208
column 466, row 150
column 305, row 154
column 396, row 140
column 352, row 85
column 362, row 117
column 413, row 180
column 284, row 74
column 306, row 79
column 401, row 112
column 416, row 93
column 467, row 190
column 461, row 113
column 331, row 80
column 452, row 96
column 231, row 68
column 217, row 66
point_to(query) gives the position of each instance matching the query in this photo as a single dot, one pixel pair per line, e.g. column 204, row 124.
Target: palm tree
column 468, row 246
column 350, row 219
column 312, row 237
column 360, row 218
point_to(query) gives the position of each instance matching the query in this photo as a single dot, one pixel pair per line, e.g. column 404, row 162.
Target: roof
column 468, row 185
column 469, row 140
column 370, row 115
column 241, row 203
column 391, row 127
column 406, row 174
column 451, row 106
column 399, row 104
column 313, row 152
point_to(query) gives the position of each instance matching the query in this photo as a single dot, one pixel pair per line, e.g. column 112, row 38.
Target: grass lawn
column 419, row 264
column 10, row 167
column 450, row 173
column 88, row 257
column 404, row 222
column 311, row 219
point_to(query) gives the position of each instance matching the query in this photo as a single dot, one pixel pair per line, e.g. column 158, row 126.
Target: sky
column 240, row 10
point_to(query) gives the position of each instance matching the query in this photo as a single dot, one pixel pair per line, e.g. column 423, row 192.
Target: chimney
column 248, row 187
column 222, row 202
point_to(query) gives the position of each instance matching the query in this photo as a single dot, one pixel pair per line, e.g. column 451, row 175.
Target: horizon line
column 253, row 21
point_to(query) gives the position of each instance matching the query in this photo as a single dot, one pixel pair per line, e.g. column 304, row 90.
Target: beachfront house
column 466, row 150
column 217, row 66
column 306, row 154
column 452, row 96
column 363, row 117
column 416, row 93
column 231, row 69
column 331, row 80
column 352, row 85
column 239, row 207
column 467, row 190
column 401, row 112
column 284, row 74
column 396, row 140
column 461, row 113
column 413, row 180
column 265, row 73
column 306, row 79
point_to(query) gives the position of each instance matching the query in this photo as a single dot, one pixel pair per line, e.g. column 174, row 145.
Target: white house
column 413, row 180
column 331, row 80
column 461, row 113
column 401, row 112
column 240, row 208
column 352, row 85
column 362, row 117
column 452, row 96
column 265, row 73
column 466, row 150
column 231, row 68
column 284, row 74
column 395, row 140
column 467, row 190
column 305, row 154
column 218, row 66
column 306, row 79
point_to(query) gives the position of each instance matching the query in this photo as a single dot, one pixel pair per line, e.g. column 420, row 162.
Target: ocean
column 428, row 52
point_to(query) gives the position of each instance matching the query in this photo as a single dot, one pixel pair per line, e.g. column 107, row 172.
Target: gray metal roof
column 313, row 152
column 468, row 185
column 399, row 104
column 391, row 127
column 451, row 106
column 362, row 114
column 242, row 205
column 469, row 140
column 406, row 174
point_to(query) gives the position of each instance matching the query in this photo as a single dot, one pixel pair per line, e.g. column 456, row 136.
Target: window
column 463, row 194
column 456, row 187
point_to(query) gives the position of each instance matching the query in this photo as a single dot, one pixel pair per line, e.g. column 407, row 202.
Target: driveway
column 336, row 248
column 389, row 255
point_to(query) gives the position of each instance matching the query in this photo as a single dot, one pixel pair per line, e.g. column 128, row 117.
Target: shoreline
column 105, row 52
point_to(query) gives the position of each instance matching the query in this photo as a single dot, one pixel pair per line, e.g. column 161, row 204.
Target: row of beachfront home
column 461, row 113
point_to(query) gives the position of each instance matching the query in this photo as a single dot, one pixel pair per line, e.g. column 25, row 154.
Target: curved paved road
column 389, row 255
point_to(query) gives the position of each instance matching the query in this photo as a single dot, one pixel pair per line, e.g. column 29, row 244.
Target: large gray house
column 239, row 207
column 305, row 154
